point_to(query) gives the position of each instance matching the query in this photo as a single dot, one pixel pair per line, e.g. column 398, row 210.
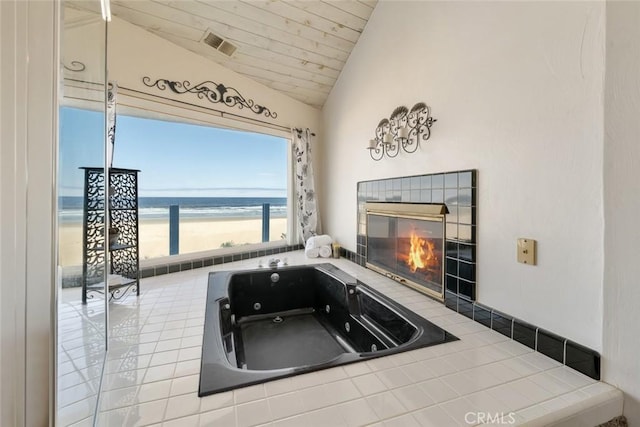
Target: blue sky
column 175, row 159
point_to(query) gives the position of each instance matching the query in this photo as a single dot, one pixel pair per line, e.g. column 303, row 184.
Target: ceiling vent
column 227, row 48
column 219, row 44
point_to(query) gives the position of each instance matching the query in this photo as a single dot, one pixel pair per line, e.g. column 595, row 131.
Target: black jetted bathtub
column 266, row 324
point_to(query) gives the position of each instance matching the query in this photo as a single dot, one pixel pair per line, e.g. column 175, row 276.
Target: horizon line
column 140, row 189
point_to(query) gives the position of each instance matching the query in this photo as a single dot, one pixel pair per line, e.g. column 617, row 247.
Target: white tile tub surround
column 153, row 381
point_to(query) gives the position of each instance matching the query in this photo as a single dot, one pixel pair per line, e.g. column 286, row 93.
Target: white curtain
column 308, row 220
column 112, row 95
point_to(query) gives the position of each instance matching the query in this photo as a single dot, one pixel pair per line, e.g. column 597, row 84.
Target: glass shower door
column 81, row 326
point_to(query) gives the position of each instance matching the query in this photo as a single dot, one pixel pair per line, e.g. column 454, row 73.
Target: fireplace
column 406, row 242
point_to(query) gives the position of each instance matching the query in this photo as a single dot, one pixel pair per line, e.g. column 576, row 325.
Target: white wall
column 28, row 58
column 12, row 224
column 621, row 363
column 517, row 88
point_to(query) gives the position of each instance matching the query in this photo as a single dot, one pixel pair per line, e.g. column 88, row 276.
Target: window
column 220, row 179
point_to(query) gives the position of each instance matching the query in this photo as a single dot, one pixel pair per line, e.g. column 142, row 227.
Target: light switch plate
column 527, row 251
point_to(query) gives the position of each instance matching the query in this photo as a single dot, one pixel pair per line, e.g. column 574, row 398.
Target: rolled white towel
column 317, row 241
column 325, row 251
column 312, row 252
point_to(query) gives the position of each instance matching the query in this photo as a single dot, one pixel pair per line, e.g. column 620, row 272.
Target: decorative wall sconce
column 404, row 129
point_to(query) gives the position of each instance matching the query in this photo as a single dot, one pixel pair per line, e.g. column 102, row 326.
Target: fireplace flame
column 421, row 253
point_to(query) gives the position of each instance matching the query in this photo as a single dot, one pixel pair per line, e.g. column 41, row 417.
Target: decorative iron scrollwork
column 122, row 273
column 119, row 293
column 404, row 129
column 75, row 66
column 115, row 294
column 212, row 92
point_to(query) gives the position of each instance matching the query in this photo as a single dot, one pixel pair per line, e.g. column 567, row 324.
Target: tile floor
column 151, row 372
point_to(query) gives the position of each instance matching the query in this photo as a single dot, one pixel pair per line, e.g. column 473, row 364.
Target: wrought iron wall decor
column 212, row 92
column 404, row 129
column 75, row 66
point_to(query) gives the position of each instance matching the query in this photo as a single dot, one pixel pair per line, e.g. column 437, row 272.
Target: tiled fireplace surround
column 458, row 190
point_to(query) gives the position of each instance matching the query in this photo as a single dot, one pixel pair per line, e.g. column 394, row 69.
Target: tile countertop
column 483, row 379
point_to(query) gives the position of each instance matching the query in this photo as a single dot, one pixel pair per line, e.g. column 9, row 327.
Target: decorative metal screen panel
column 123, row 273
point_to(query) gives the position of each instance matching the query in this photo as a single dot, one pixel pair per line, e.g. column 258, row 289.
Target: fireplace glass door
column 410, row 248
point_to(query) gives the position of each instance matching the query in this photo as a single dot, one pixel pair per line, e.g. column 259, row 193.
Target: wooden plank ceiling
column 297, row 47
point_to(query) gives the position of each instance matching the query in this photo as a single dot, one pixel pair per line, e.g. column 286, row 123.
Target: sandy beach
column 195, row 235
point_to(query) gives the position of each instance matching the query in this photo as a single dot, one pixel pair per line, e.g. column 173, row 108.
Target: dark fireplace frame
column 456, row 189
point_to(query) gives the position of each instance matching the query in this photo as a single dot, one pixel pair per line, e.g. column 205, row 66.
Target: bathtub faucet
column 273, row 262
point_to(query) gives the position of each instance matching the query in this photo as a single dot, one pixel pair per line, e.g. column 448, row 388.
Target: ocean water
column 190, row 207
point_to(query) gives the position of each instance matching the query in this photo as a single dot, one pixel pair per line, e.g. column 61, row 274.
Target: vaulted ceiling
column 297, row 47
